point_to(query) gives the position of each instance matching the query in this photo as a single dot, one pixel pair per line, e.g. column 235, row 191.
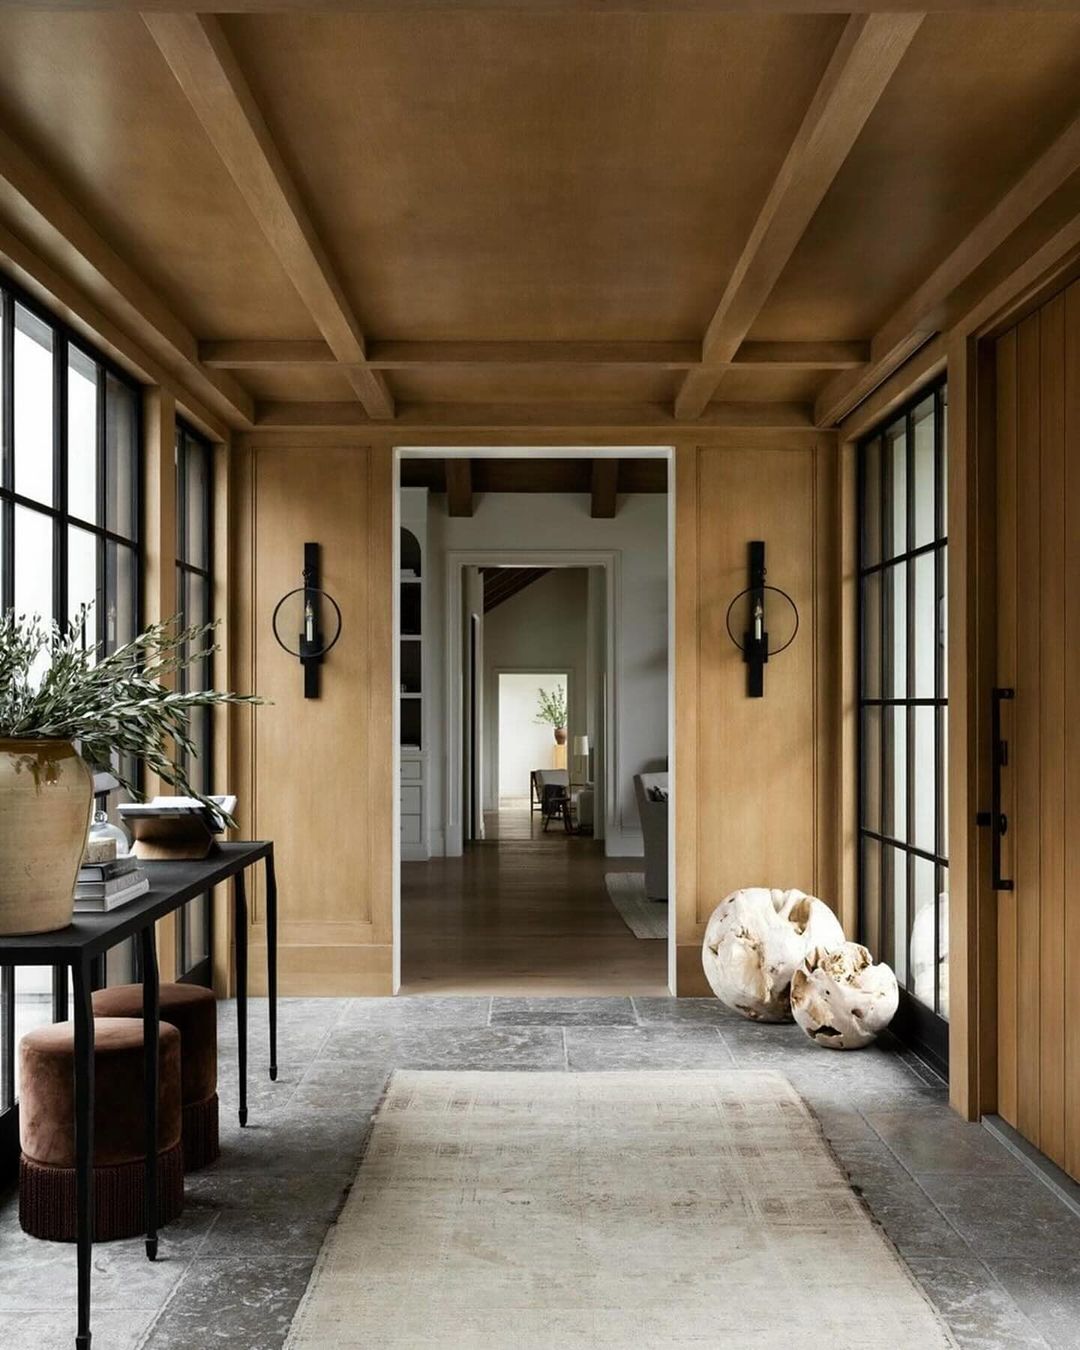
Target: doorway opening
column 538, row 723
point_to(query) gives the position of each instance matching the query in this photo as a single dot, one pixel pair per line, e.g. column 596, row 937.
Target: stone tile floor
column 995, row 1250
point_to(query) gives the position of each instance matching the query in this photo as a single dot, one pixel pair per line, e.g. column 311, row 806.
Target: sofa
column 654, row 831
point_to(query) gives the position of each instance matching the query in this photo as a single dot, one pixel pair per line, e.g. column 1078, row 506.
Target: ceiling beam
column 393, row 354
column 605, row 486
column 254, row 353
column 195, row 47
column 793, row 417
column 136, row 305
column 923, row 313
column 753, row 7
column 459, row 493
column 801, row 355
column 868, row 52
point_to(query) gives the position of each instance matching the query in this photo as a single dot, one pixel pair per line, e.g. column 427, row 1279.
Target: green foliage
column 113, row 706
column 551, row 707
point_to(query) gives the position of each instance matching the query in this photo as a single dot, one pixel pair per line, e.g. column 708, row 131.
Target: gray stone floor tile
column 980, row 1314
column 272, row 1230
column 37, row 1274
column 56, row 1330
column 665, row 1011
column 562, row 1012
column 218, row 1287
column 416, row 1011
column 261, row 1326
column 1013, row 1217
column 603, row 1048
column 927, row 1143
column 450, row 1048
column 1047, row 1292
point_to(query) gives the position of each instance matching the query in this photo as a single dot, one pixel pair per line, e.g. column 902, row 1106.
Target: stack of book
column 104, row 886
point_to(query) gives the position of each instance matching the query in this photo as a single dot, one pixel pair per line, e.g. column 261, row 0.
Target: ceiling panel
column 533, row 175
column 92, row 99
column 975, row 99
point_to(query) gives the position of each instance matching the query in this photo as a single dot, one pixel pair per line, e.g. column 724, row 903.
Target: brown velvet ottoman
column 47, row 1130
column 192, row 1010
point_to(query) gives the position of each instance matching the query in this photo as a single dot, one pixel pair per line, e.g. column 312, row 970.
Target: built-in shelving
column 411, row 651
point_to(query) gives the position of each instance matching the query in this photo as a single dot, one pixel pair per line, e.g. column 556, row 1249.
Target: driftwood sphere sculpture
column 841, row 999
column 755, row 941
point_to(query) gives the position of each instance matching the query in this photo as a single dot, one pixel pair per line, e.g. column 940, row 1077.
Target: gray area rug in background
column 672, row 1210
column 644, row 917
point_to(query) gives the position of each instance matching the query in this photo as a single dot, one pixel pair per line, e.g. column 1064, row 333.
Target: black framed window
column 70, row 507
column 194, row 605
column 903, row 712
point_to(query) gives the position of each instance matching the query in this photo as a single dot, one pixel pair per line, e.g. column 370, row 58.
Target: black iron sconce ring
column 308, row 592
column 311, row 646
column 755, row 644
column 773, row 651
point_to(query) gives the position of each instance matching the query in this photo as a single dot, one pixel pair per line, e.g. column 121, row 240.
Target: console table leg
column 84, row 1145
column 151, row 1015
column 271, row 958
column 240, row 923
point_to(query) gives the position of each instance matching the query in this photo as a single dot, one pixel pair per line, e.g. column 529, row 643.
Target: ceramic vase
column 46, row 800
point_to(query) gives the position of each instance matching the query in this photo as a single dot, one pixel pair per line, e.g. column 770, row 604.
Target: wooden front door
column 1038, row 660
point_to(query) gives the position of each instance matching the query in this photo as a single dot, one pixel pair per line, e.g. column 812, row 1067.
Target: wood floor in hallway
column 522, row 913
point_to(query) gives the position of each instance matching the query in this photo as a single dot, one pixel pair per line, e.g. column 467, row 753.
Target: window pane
column 923, row 933
column 33, row 1004
column 943, row 786
column 925, row 785
column 922, row 433
column 33, row 563
column 894, row 816
column 924, row 623
column 871, row 635
column 871, row 770
column 943, row 942
column 943, row 615
column 870, row 934
column 894, row 580
column 82, row 394
column 82, row 580
column 121, row 450
column 896, row 475
column 871, row 520
column 197, row 541
column 120, row 626
column 894, row 926
column 33, row 397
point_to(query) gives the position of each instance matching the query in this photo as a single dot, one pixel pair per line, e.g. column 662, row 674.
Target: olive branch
column 112, row 705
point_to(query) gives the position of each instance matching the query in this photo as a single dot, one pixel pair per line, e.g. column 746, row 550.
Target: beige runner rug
column 557, row 1211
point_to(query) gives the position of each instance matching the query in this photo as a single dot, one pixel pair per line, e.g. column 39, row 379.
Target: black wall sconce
column 755, row 643
column 307, row 614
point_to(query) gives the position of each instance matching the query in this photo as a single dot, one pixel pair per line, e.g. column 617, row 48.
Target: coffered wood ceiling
column 497, row 214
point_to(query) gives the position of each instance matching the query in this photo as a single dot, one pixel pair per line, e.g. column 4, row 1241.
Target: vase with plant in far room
column 69, row 709
column 551, row 708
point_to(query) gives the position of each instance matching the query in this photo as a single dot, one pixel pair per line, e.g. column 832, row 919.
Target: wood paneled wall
column 316, row 775
column 757, row 783
column 757, row 780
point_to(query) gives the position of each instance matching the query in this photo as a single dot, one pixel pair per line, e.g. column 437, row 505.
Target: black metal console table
column 76, row 947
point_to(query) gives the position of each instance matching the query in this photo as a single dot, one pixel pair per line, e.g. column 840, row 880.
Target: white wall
column 546, row 521
column 523, row 743
column 543, row 627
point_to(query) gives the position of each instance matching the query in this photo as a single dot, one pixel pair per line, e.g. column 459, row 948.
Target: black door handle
column 995, row 818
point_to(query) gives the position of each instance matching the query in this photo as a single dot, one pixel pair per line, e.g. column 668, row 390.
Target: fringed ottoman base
column 199, row 1134
column 47, row 1198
